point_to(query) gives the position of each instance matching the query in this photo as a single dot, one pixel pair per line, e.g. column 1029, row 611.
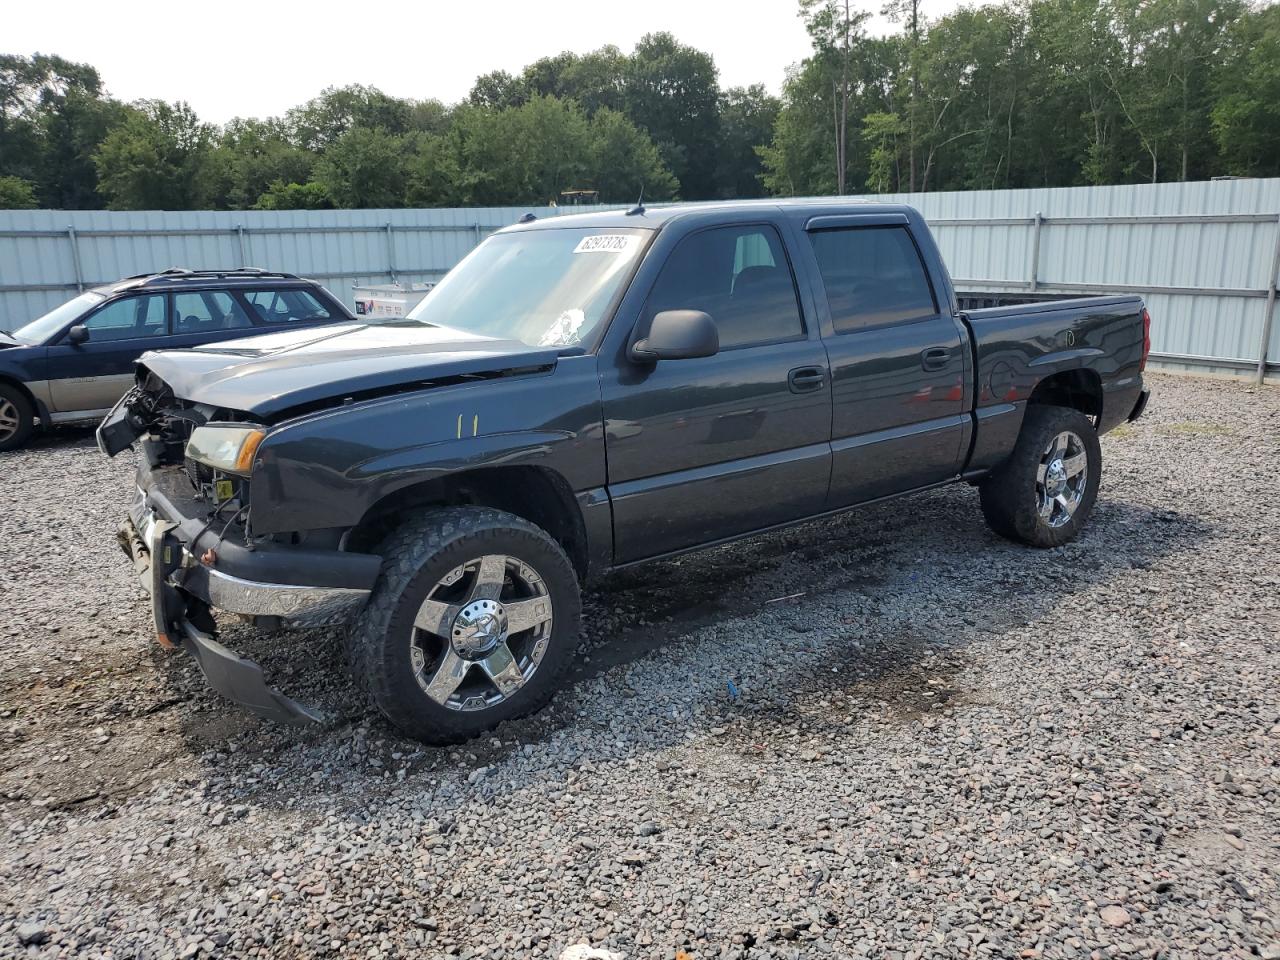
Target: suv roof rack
column 183, row 273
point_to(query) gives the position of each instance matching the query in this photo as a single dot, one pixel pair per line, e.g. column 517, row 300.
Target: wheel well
column 22, row 389
column 1079, row 389
column 536, row 494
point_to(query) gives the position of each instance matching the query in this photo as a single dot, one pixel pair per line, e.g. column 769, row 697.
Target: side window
column 286, row 306
column 129, row 319
column 206, row 311
column 873, row 276
column 738, row 275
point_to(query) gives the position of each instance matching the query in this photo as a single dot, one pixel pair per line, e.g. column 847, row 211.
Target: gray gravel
column 947, row 746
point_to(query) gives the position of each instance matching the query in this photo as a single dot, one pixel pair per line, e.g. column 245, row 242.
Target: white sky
column 236, row 58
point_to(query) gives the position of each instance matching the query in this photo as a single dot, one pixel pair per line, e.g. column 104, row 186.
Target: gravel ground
column 947, row 745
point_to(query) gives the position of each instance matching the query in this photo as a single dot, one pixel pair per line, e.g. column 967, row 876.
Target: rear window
column 873, row 276
column 287, row 306
column 207, row 311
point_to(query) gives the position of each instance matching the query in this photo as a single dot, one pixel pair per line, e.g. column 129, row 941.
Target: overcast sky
column 237, row 58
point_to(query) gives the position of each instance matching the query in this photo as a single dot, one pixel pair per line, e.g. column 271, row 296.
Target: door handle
column 806, row 379
column 935, row 358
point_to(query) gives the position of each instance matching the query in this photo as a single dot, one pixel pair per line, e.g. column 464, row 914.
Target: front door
column 705, row 449
column 94, row 374
column 899, row 370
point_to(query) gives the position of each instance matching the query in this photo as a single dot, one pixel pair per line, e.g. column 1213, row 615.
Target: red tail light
column 1146, row 338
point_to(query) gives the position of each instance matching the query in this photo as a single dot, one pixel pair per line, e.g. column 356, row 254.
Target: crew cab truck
column 581, row 394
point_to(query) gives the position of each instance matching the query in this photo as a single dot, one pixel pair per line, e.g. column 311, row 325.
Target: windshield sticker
column 605, row 243
column 564, row 332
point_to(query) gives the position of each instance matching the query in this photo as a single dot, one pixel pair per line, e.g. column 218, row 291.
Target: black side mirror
column 678, row 335
column 77, row 334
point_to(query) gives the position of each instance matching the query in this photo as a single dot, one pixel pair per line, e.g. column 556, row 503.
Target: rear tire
column 473, row 621
column 1043, row 494
column 17, row 418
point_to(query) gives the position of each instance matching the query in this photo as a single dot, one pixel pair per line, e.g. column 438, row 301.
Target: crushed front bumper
column 166, row 539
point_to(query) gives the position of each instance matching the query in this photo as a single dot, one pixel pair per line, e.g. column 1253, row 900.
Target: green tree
column 365, row 167
column 321, row 121
column 671, row 91
column 17, row 194
column 294, row 196
column 1246, row 114
column 156, row 159
column 251, row 156
column 835, row 28
column 623, row 161
column 883, row 131
column 497, row 90
column 747, row 119
column 593, row 80
column 53, row 116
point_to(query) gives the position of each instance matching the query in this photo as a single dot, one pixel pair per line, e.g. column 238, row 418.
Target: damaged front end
column 189, row 536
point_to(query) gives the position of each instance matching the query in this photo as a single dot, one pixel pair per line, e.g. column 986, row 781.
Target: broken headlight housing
column 227, row 447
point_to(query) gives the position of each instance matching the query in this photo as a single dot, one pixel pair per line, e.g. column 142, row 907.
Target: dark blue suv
column 72, row 364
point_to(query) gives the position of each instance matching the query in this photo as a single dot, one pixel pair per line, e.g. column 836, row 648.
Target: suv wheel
column 1044, row 493
column 472, row 622
column 17, row 417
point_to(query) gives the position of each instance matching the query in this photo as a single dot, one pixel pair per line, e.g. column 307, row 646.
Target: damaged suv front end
column 189, row 534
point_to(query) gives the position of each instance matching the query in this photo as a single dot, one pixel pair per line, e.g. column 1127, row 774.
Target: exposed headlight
column 225, row 447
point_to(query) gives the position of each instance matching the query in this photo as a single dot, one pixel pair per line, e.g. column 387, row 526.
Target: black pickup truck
column 584, row 393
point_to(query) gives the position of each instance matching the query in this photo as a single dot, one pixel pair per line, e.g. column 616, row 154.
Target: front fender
column 328, row 470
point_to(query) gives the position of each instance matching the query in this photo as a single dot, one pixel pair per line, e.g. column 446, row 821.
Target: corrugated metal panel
column 1224, row 255
column 987, row 238
column 338, row 247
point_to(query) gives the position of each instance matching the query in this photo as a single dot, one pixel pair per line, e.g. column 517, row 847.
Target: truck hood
column 269, row 374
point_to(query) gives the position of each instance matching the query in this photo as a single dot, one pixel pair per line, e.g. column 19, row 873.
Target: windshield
column 545, row 288
column 40, row 330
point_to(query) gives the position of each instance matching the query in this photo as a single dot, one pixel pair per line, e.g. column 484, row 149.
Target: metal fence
column 47, row 256
column 1206, row 255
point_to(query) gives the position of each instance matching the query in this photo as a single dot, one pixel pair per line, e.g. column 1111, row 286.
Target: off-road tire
column 1009, row 497
column 415, row 556
column 12, row 396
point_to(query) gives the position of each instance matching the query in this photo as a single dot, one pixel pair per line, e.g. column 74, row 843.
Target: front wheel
column 1043, row 494
column 473, row 621
column 17, row 418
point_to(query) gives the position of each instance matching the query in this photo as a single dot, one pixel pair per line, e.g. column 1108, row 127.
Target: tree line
column 1016, row 94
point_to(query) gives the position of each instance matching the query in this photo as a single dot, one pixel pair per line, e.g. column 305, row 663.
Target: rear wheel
column 1044, row 493
column 17, row 417
column 473, row 621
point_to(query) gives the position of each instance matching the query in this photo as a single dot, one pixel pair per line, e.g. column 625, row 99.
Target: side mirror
column 77, row 335
column 678, row 335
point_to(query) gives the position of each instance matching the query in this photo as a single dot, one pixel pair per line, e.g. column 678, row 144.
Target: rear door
column 708, row 448
column 898, row 364
column 91, row 376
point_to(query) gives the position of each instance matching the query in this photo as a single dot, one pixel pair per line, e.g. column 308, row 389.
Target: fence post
column 1035, row 251
column 391, row 254
column 1270, row 309
column 244, row 254
column 476, row 227
column 75, row 258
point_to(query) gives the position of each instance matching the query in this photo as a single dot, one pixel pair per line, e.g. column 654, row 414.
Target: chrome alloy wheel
column 1061, row 479
column 481, row 633
column 9, row 419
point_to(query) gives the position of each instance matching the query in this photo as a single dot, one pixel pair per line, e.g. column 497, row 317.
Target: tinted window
column 129, row 319
column 206, row 311
column 738, row 275
column 286, row 306
column 873, row 276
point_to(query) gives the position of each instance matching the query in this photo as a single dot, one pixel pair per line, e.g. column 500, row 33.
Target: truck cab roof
column 715, row 211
